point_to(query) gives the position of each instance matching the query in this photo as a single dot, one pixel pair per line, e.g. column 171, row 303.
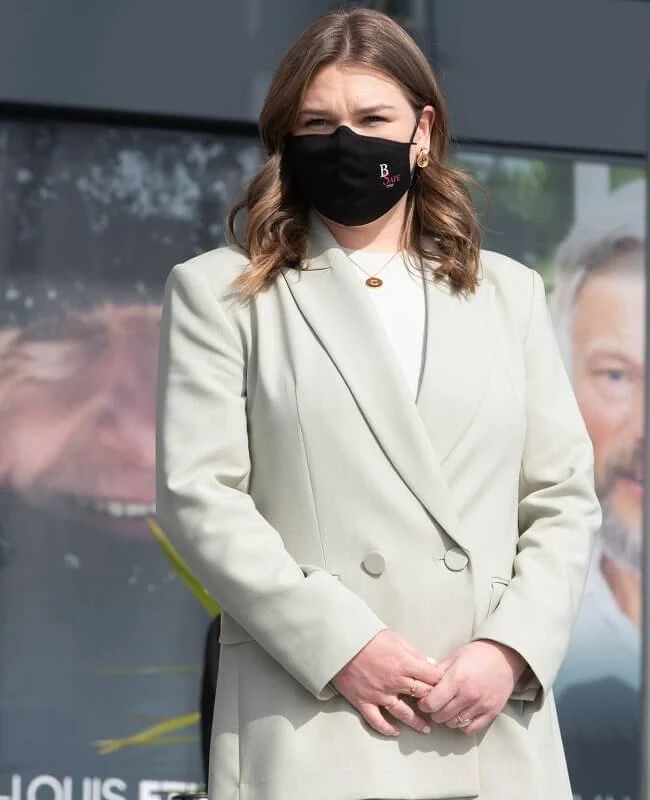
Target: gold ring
column 413, row 688
column 462, row 722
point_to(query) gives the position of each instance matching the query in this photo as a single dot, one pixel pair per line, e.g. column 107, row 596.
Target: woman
column 369, row 452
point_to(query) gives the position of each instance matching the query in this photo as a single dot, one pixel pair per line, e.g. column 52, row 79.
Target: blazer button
column 456, row 559
column 374, row 564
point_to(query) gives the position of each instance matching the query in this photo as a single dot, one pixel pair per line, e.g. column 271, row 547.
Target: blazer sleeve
column 559, row 515
column 311, row 624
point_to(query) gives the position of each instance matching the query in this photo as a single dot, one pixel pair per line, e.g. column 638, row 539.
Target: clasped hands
column 389, row 681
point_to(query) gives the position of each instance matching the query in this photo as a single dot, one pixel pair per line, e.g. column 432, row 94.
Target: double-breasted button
column 456, row 559
column 374, row 564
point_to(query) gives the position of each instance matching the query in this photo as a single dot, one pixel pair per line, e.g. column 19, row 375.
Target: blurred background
column 126, row 131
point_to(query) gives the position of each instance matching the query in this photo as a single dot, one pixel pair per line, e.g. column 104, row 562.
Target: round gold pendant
column 374, row 282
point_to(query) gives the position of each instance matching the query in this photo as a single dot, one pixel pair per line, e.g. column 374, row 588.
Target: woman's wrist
column 515, row 660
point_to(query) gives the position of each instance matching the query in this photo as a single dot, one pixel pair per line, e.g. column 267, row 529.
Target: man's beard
column 621, row 544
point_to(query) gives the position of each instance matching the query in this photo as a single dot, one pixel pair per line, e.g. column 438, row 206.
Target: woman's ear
column 425, row 126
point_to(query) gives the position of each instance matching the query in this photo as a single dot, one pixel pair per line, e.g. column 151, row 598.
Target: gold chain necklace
column 373, row 280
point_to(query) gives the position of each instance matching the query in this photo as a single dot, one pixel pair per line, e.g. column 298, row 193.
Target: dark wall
column 558, row 73
column 197, row 58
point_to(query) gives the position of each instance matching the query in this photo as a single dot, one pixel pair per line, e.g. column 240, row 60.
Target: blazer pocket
column 307, row 570
column 497, row 588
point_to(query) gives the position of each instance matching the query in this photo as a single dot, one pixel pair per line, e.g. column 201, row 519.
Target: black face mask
column 348, row 178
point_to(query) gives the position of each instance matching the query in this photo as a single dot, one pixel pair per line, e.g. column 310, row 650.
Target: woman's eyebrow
column 368, row 110
column 315, row 111
column 361, row 111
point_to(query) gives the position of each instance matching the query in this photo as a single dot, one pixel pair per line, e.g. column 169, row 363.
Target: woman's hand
column 374, row 679
column 479, row 678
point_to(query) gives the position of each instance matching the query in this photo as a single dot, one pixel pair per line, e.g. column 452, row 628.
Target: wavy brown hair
column 440, row 221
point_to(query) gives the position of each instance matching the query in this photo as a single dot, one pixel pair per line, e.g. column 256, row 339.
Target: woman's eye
column 315, row 123
column 373, row 119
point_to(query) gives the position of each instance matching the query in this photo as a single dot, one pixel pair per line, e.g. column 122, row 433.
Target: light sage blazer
column 320, row 503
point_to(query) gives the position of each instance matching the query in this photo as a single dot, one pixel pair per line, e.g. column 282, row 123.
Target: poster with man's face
column 582, row 225
column 100, row 643
column 599, row 303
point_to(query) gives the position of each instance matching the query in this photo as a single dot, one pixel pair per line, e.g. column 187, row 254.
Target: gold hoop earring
column 423, row 159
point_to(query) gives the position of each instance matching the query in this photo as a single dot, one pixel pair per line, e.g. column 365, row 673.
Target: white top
column 400, row 305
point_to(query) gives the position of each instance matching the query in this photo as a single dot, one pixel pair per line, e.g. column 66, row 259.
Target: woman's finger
column 424, row 671
column 373, row 716
column 441, row 694
column 404, row 713
column 420, row 690
column 412, row 687
column 477, row 724
column 457, row 706
column 462, row 718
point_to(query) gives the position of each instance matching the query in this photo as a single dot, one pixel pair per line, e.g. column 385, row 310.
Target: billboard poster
column 101, row 644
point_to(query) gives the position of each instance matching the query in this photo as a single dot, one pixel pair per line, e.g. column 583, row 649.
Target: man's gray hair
column 618, row 226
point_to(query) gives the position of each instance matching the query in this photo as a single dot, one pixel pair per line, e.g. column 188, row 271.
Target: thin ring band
column 462, row 722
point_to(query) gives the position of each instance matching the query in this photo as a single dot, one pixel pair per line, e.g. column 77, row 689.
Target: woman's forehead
column 357, row 83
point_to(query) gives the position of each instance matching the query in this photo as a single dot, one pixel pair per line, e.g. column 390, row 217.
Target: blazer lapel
column 458, row 356
column 333, row 303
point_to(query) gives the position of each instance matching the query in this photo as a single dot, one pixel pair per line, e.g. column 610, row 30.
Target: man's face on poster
column 77, row 413
column 608, row 378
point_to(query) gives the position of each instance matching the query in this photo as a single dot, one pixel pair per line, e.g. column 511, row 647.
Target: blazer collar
column 416, row 436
